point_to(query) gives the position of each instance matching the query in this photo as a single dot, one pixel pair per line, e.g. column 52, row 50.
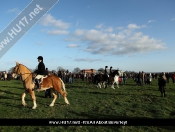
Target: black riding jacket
column 41, row 69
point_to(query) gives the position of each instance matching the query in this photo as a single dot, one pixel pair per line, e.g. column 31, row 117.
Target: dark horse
column 112, row 78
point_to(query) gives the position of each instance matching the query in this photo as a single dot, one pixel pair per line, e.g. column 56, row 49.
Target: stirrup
column 37, row 86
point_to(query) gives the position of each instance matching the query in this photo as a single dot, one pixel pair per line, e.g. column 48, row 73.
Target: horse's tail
column 63, row 85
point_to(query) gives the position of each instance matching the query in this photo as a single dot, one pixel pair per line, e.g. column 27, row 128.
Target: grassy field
column 88, row 102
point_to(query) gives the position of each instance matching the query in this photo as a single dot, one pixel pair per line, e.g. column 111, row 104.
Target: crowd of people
column 141, row 78
column 68, row 77
column 5, row 76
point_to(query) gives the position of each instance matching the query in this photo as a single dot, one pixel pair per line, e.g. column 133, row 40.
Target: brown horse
column 49, row 82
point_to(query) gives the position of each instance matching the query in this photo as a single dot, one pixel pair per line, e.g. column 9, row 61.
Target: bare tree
column 101, row 70
column 11, row 70
column 61, row 68
column 76, row 70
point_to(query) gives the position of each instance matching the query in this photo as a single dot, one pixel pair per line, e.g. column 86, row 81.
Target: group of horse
column 104, row 80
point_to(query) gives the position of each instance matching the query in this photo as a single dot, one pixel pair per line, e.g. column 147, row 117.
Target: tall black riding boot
column 37, row 86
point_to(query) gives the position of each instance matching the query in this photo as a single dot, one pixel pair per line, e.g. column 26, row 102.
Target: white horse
column 4, row 77
column 116, row 79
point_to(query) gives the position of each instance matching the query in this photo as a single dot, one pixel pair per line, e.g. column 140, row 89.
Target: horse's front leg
column 104, row 85
column 117, row 85
column 99, row 85
column 32, row 93
column 112, row 86
column 23, row 99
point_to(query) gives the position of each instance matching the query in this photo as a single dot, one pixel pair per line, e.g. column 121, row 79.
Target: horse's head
column 16, row 69
column 120, row 73
column 14, row 75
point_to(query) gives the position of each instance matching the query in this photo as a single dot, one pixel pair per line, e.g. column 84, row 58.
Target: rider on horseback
column 40, row 72
column 106, row 73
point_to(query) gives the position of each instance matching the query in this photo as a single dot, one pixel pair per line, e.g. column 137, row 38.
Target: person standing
column 124, row 78
column 48, row 91
column 162, row 83
column 46, row 72
column 150, row 79
column 173, row 77
column 139, row 78
column 167, row 77
column 70, row 77
column 143, row 78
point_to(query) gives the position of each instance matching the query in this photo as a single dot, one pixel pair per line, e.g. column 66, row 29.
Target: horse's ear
column 17, row 63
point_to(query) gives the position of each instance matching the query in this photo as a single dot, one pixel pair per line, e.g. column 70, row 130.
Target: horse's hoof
column 25, row 105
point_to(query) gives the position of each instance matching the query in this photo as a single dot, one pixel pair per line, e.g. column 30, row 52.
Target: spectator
column 162, row 83
column 143, row 75
column 150, row 79
column 124, row 78
column 60, row 74
column 167, row 77
column 70, row 77
column 139, row 78
column 173, row 77
column 48, row 91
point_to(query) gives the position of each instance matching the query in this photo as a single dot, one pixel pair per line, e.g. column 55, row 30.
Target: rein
column 18, row 71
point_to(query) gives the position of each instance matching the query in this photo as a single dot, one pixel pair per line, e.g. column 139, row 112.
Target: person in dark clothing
column 167, row 77
column 48, row 91
column 162, row 83
column 106, row 74
column 139, row 78
column 173, row 77
column 46, row 71
column 40, row 72
column 124, row 78
column 60, row 74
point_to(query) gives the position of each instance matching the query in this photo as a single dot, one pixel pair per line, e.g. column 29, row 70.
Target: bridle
column 19, row 72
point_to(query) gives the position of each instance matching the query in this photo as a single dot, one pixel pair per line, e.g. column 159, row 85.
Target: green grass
column 89, row 102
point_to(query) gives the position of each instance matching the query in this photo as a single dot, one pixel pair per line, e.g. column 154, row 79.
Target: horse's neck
column 26, row 74
column 116, row 78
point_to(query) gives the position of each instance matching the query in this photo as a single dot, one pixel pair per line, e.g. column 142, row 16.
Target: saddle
column 41, row 79
column 38, row 82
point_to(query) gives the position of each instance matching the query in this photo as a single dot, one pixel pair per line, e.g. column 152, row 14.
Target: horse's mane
column 26, row 67
column 116, row 72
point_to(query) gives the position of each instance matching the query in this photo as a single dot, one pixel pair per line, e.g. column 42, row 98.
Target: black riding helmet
column 40, row 58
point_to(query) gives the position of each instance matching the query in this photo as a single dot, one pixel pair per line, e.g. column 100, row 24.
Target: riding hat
column 40, row 58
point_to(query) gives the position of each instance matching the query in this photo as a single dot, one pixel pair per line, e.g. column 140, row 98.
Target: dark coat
column 41, row 69
column 161, row 81
column 46, row 72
